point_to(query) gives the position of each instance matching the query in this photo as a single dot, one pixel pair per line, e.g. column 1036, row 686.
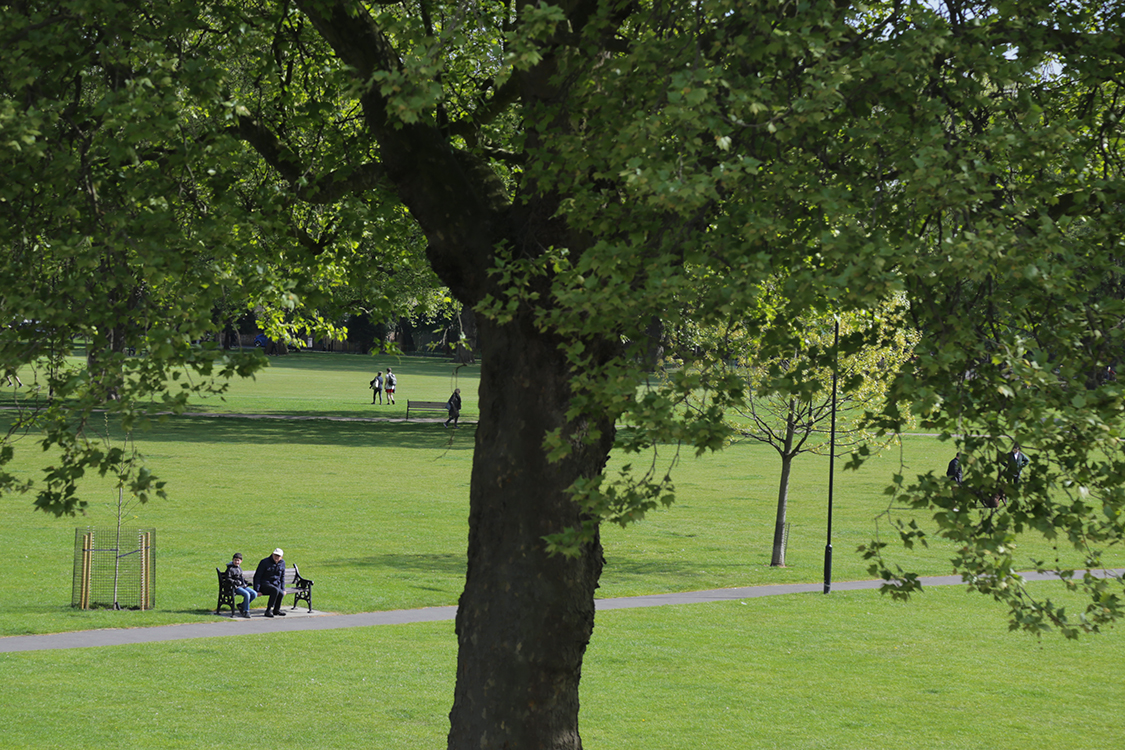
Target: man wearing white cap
column 269, row 579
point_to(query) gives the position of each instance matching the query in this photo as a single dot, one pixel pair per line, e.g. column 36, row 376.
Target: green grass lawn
column 850, row 670
column 376, row 513
column 321, row 384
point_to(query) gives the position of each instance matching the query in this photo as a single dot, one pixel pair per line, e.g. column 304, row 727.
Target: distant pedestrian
column 953, row 471
column 377, row 387
column 1016, row 461
column 454, row 406
column 389, row 386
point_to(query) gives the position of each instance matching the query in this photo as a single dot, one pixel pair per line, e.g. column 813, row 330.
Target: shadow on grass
column 405, row 364
column 625, row 567
column 444, row 564
column 420, row 435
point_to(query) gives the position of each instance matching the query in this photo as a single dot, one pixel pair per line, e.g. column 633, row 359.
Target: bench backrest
column 291, row 575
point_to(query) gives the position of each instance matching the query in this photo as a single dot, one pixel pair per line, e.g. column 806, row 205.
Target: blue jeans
column 248, row 595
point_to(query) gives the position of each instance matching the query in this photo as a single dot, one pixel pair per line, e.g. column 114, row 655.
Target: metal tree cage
column 114, row 568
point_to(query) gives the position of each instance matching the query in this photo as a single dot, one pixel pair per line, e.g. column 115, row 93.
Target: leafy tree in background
column 795, row 421
column 580, row 172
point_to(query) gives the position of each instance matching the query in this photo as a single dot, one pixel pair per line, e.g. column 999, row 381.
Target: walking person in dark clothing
column 270, row 579
column 377, row 387
column 454, row 405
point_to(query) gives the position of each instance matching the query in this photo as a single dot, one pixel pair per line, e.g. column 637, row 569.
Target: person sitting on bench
column 270, row 579
column 239, row 585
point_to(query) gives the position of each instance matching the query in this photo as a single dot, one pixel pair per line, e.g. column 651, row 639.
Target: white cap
column 278, row 552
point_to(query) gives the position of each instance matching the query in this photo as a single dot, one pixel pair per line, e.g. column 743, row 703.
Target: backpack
column 391, row 380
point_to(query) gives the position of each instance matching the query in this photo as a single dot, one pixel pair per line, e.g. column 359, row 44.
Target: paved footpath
column 301, row 619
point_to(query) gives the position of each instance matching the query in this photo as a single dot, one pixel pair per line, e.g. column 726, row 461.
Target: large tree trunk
column 525, row 617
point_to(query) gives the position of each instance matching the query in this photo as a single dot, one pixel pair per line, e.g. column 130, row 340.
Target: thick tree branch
column 504, row 97
column 323, row 189
column 457, row 200
column 279, row 156
column 334, row 185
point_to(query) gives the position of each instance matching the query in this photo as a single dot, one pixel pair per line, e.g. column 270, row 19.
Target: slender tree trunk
column 778, row 559
column 525, row 617
column 117, row 546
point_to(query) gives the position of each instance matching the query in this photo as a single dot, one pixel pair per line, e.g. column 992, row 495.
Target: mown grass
column 316, row 384
column 850, row 670
column 376, row 512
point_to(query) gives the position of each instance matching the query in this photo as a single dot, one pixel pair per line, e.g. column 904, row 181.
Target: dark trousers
column 275, row 595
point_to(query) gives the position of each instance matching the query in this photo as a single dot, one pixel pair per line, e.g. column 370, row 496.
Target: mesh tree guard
column 114, row 568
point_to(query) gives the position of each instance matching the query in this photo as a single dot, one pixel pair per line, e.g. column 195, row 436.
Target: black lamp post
column 832, row 459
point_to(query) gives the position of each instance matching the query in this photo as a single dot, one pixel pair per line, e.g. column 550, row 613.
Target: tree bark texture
column 525, row 617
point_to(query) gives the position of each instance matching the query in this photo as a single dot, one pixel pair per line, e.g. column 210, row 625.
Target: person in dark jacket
column 1016, row 461
column 377, row 387
column 238, row 581
column 269, row 578
column 454, row 405
column 953, row 471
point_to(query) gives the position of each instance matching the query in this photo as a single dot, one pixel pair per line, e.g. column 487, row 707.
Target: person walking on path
column 270, row 579
column 377, row 386
column 454, row 406
column 389, row 386
column 238, row 581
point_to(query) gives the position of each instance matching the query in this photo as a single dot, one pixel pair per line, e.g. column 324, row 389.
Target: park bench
column 295, row 584
column 427, row 406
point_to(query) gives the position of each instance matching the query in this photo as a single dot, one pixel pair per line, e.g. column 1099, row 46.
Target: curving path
column 302, row 620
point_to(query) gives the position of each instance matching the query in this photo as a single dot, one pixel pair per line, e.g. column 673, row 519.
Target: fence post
column 87, row 567
column 145, row 569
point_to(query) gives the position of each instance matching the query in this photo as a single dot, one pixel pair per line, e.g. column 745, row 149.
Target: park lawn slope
column 853, row 670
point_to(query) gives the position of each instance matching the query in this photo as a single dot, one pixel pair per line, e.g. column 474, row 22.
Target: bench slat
column 439, row 406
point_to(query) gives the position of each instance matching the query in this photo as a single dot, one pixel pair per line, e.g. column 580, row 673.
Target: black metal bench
column 427, row 406
column 295, row 584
